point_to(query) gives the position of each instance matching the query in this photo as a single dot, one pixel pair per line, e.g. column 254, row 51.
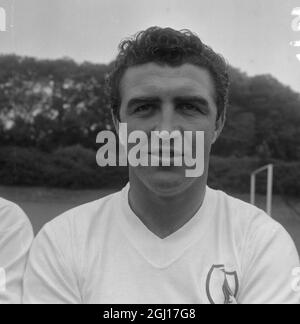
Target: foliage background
column 52, row 110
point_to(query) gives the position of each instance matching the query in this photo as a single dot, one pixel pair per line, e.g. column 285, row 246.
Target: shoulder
column 250, row 226
column 240, row 213
column 73, row 236
column 11, row 216
column 81, row 221
column 260, row 232
column 259, row 237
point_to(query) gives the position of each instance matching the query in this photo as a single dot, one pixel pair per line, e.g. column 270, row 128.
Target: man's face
column 157, row 98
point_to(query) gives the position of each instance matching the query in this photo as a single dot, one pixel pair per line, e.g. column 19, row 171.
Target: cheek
column 206, row 125
column 142, row 124
column 134, row 125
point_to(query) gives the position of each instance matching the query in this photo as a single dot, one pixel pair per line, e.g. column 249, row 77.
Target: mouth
column 171, row 153
column 172, row 158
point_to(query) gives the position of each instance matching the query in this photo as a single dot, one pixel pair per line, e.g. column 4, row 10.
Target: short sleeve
column 16, row 237
column 49, row 276
column 270, row 258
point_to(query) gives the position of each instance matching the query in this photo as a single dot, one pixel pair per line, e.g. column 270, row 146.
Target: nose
column 167, row 119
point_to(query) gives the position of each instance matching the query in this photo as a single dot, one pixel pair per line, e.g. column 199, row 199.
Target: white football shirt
column 101, row 252
column 16, row 236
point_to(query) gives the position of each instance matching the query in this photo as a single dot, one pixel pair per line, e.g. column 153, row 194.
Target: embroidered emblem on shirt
column 221, row 286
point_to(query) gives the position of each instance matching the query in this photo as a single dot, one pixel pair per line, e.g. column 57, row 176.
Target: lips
column 171, row 158
column 171, row 153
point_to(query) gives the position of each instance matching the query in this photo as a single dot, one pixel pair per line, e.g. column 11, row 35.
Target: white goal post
column 269, row 169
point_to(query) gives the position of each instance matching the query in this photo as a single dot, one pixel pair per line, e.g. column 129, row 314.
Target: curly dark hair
column 166, row 46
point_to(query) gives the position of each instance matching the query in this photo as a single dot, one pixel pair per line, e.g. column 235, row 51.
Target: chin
column 168, row 183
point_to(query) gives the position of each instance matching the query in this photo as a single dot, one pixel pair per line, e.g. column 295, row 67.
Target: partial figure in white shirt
column 165, row 238
column 16, row 237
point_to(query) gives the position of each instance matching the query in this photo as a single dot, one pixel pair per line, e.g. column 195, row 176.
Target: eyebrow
column 139, row 100
column 180, row 99
column 194, row 99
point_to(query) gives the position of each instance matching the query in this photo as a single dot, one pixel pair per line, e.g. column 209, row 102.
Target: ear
column 219, row 127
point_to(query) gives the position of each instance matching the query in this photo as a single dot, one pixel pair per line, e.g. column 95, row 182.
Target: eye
column 190, row 108
column 145, row 108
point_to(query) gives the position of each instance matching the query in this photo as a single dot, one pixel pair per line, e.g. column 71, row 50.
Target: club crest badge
column 221, row 285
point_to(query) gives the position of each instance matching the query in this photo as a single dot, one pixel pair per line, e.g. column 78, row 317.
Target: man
column 15, row 240
column 165, row 238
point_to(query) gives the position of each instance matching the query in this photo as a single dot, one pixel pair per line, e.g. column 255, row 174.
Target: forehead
column 156, row 80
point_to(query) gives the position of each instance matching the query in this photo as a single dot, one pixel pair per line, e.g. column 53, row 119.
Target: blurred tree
column 57, row 103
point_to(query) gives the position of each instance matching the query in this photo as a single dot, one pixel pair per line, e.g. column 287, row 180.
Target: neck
column 165, row 215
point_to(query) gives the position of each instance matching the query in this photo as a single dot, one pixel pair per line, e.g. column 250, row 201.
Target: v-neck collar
column 163, row 252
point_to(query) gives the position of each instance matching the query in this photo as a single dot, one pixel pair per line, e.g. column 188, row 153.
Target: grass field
column 43, row 204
